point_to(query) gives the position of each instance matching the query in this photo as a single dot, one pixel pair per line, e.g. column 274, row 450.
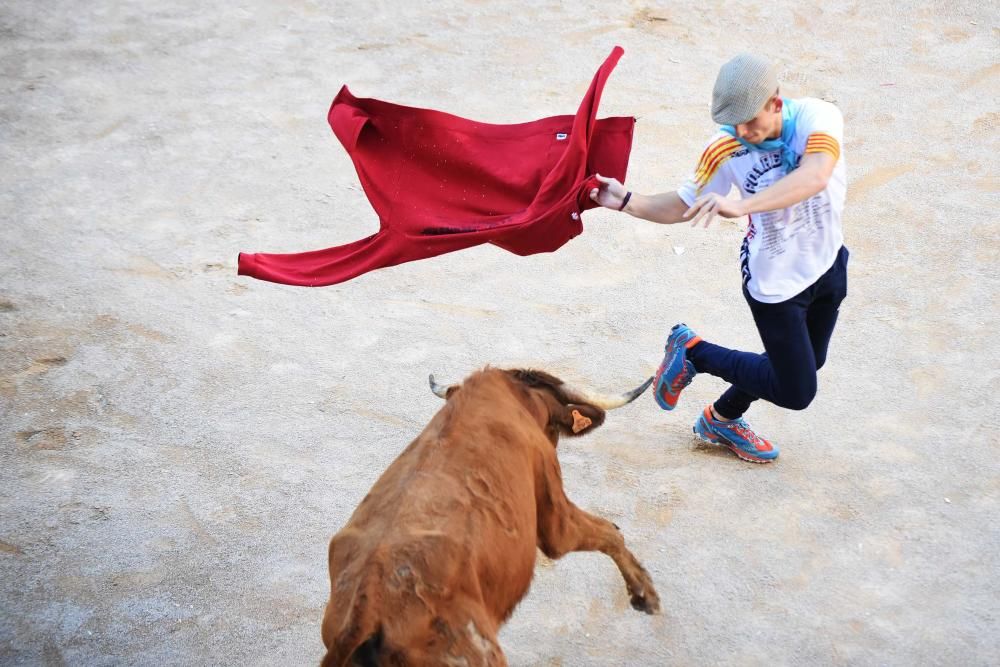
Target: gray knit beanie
column 743, row 86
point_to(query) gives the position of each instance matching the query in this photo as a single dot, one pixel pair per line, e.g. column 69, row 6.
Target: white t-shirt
column 786, row 250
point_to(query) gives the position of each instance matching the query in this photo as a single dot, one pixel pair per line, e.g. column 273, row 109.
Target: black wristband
column 628, row 195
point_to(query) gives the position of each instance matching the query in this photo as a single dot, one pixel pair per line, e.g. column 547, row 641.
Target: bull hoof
column 647, row 601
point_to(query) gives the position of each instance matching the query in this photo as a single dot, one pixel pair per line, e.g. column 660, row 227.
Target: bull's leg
column 563, row 527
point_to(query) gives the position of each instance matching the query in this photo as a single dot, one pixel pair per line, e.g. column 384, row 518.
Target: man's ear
column 575, row 419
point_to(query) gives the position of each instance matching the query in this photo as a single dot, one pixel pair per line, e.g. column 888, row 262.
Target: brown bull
column 441, row 550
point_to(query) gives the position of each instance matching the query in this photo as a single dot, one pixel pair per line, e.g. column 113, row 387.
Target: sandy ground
column 177, row 444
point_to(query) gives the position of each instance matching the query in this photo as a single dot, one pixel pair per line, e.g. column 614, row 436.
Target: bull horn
column 602, row 401
column 439, row 391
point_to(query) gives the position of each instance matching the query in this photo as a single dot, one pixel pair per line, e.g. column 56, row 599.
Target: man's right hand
column 610, row 194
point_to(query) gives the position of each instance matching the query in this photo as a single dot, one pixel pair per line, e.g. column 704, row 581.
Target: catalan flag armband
column 819, row 142
column 714, row 156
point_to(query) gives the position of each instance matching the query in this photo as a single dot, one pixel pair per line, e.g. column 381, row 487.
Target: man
column 784, row 156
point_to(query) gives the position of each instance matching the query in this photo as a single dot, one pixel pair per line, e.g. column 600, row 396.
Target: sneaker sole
column 715, row 440
column 662, row 402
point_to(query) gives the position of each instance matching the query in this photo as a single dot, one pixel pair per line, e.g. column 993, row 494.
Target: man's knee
column 799, row 401
column 796, row 394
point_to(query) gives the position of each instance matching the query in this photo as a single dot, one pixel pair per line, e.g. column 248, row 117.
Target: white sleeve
column 819, row 128
column 710, row 174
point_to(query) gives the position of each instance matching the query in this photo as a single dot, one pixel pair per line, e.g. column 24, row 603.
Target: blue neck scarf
column 789, row 159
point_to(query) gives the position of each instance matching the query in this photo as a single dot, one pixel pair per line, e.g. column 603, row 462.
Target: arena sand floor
column 179, row 443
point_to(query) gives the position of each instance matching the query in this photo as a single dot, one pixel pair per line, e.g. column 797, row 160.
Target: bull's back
column 453, row 515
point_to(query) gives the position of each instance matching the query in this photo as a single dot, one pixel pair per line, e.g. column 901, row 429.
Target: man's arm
column 665, row 209
column 811, row 177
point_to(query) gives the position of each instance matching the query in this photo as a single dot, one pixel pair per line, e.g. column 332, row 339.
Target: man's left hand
column 711, row 205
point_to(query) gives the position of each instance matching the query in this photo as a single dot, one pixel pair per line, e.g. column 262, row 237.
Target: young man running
column 785, row 158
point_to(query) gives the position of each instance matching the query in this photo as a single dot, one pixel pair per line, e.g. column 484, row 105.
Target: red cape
column 441, row 183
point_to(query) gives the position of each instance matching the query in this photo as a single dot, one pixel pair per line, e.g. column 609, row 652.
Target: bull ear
column 577, row 419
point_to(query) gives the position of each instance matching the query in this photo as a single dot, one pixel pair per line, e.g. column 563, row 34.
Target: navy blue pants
column 796, row 334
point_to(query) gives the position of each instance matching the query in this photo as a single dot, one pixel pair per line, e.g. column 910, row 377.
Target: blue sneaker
column 737, row 436
column 676, row 372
